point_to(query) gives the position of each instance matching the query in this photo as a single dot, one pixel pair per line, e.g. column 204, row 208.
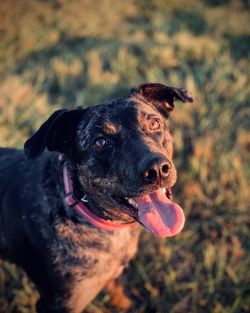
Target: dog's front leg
column 74, row 299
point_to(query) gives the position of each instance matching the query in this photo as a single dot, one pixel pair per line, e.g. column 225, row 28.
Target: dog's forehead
column 121, row 113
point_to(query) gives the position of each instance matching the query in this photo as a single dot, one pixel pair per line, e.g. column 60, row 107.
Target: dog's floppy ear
column 56, row 134
column 162, row 97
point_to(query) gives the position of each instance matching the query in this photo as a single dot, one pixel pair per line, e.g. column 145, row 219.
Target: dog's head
column 120, row 153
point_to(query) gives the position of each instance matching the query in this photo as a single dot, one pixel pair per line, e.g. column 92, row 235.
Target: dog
column 71, row 216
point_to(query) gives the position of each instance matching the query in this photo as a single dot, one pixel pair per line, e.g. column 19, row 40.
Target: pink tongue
column 159, row 215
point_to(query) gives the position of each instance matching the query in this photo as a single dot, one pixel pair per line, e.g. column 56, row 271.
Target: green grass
column 69, row 53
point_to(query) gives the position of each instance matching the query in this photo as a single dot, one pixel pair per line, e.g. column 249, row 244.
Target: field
column 63, row 53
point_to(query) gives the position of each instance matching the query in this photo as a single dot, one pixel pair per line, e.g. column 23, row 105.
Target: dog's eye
column 99, row 143
column 154, row 124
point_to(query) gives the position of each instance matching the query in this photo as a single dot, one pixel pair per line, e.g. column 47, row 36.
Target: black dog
column 70, row 217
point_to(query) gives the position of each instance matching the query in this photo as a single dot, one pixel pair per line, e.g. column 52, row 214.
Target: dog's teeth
column 133, row 202
column 164, row 190
column 130, row 200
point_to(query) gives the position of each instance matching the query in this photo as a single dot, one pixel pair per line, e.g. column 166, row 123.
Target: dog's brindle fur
column 107, row 149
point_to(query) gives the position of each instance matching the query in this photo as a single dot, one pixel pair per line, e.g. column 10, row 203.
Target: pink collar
column 82, row 210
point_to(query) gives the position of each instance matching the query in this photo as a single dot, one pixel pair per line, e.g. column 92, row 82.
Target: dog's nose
column 155, row 168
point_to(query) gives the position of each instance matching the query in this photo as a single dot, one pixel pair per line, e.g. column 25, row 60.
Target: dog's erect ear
column 56, row 134
column 162, row 97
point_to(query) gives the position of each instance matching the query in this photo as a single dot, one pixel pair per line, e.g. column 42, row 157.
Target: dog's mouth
column 156, row 212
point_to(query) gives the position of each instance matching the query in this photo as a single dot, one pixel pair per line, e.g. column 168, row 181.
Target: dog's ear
column 162, row 97
column 56, row 134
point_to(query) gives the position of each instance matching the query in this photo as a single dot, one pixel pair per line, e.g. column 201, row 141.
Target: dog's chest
column 82, row 252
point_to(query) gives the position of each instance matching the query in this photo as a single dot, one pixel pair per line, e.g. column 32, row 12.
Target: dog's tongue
column 159, row 215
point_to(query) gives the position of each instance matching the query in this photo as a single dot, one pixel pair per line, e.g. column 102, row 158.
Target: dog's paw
column 121, row 302
column 119, row 299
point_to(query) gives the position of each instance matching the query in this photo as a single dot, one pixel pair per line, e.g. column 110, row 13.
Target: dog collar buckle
column 84, row 199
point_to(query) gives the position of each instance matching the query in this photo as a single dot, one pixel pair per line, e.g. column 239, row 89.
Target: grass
column 62, row 54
